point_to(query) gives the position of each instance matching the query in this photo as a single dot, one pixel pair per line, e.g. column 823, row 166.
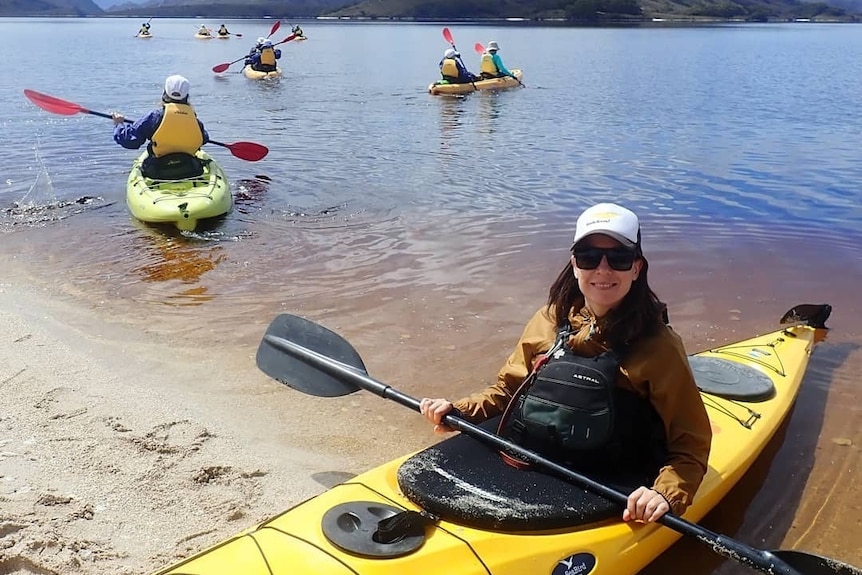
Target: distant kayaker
column 145, row 29
column 204, row 31
column 635, row 416
column 491, row 65
column 264, row 59
column 453, row 70
column 173, row 131
column 222, row 31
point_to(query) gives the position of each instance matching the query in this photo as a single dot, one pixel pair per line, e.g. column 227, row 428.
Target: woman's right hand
column 117, row 118
column 434, row 410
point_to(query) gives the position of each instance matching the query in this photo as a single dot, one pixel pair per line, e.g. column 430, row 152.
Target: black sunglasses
column 619, row 259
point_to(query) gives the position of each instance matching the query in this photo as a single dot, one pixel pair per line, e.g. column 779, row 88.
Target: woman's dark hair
column 636, row 316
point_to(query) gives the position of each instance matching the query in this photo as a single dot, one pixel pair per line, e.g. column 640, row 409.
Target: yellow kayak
column 458, row 507
column 253, row 74
column 444, row 87
column 181, row 202
column 200, row 36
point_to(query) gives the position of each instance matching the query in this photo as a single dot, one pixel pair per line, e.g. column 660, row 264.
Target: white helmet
column 261, row 40
column 450, row 53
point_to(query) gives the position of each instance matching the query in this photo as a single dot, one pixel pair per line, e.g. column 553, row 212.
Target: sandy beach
column 120, row 453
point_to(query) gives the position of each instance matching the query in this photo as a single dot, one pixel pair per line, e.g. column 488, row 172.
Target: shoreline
column 113, row 455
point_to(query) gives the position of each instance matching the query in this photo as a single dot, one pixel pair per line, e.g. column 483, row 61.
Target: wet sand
column 123, row 447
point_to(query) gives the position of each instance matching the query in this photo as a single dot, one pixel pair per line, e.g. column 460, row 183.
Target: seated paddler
column 453, row 70
column 172, row 132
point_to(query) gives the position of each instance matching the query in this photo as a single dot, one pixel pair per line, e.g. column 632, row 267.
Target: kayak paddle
column 314, row 360
column 139, row 32
column 243, row 150
column 275, row 28
column 481, row 50
column 219, row 68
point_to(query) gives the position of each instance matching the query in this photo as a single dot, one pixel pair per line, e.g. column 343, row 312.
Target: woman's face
column 604, row 287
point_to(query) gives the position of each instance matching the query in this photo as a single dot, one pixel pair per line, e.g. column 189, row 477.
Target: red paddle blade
column 275, row 27
column 52, row 104
column 248, row 150
column 479, row 48
column 447, row 35
column 221, row 67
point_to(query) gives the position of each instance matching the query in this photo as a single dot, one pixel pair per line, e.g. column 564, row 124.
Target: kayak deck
column 503, row 83
column 253, row 74
column 334, row 533
column 182, row 202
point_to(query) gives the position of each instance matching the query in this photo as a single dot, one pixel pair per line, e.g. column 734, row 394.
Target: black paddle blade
column 814, row 315
column 288, row 338
column 809, row 564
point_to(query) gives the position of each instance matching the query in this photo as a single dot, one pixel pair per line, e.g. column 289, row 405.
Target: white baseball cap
column 176, row 87
column 611, row 220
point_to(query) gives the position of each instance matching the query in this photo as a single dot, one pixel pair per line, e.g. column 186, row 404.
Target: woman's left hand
column 645, row 506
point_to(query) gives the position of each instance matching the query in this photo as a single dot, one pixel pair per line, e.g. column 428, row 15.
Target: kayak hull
column 204, row 36
column 438, row 88
column 253, row 74
column 305, row 540
column 182, row 203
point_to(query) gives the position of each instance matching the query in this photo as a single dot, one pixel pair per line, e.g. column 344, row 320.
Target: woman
column 638, row 412
column 491, row 65
column 174, row 133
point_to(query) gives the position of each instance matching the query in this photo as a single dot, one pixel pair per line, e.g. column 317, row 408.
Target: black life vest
column 571, row 410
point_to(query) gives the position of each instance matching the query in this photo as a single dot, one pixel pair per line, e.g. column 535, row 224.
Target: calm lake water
column 433, row 225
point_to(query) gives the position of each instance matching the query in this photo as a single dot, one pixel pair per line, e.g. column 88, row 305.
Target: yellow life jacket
column 177, row 132
column 449, row 68
column 488, row 66
column 267, row 56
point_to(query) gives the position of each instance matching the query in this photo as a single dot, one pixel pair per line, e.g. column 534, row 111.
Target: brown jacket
column 655, row 367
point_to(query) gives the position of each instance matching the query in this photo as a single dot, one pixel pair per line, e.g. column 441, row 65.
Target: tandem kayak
column 253, row 74
column 444, row 87
column 180, row 202
column 457, row 504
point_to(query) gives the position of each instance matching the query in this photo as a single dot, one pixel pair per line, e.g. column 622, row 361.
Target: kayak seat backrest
column 177, row 166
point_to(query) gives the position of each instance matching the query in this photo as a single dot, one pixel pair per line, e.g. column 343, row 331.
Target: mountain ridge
column 573, row 11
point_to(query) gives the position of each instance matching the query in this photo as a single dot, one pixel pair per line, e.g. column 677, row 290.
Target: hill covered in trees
column 575, row 11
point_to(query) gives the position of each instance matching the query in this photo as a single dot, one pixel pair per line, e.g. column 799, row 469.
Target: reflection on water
column 167, row 258
column 489, row 111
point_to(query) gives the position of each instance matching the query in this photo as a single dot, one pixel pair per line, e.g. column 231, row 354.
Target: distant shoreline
column 515, row 22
